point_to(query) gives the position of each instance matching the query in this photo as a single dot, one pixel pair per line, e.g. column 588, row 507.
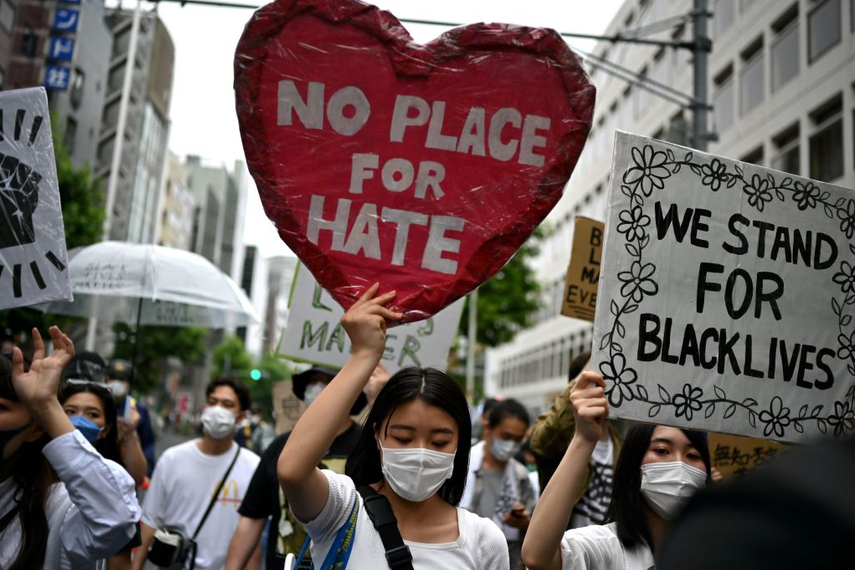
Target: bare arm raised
column 541, row 548
column 303, row 483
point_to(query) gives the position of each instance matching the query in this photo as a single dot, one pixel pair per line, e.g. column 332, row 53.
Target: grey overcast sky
column 203, row 109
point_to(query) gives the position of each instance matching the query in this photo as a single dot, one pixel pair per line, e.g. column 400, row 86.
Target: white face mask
column 218, row 422
column 415, row 474
column 668, row 486
column 117, row 388
column 504, row 449
column 312, row 391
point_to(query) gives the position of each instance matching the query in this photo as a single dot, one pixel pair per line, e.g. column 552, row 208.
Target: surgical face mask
column 218, row 422
column 8, row 435
column 668, row 486
column 504, row 449
column 90, row 430
column 118, row 388
column 312, row 392
column 415, row 474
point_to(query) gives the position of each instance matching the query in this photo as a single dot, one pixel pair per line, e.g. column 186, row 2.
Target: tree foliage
column 508, row 300
column 156, row 344
column 230, row 358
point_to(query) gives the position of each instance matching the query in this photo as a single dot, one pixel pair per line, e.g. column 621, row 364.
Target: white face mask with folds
column 668, row 486
column 415, row 474
column 218, row 422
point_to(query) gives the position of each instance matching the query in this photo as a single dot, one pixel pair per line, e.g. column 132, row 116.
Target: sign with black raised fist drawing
column 33, row 260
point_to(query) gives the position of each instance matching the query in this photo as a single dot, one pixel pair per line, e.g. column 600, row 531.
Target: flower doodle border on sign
column 647, row 174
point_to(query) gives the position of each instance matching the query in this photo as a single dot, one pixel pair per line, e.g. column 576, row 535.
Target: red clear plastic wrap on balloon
column 422, row 167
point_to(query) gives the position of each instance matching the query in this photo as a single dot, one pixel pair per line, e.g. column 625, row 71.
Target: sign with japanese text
column 61, row 49
column 314, row 333
column 735, row 456
column 66, row 20
column 33, row 258
column 424, row 167
column 583, row 274
column 726, row 296
column 57, row 77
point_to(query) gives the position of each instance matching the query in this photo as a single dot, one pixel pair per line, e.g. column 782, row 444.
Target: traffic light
column 255, row 374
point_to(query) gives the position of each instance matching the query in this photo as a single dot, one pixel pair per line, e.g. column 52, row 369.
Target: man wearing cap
column 264, row 497
column 119, row 375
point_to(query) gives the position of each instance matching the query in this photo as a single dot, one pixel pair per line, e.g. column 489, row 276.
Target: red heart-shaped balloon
column 422, row 167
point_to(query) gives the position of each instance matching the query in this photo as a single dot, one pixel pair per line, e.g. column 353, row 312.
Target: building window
column 7, row 16
column 724, row 15
column 751, row 78
column 823, row 28
column 69, row 135
column 826, row 142
column 787, row 158
column 2, row 77
column 75, row 94
column 723, row 99
column 754, row 157
column 785, row 49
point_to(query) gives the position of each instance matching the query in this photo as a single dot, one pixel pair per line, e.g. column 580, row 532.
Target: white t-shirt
column 181, row 488
column 598, row 548
column 480, row 545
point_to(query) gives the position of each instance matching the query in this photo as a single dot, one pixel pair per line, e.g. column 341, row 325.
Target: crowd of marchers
column 384, row 471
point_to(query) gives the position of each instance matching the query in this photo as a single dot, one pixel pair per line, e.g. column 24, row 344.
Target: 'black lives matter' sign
column 727, row 296
column 33, row 261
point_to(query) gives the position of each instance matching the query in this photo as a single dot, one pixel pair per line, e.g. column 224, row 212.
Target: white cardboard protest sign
column 33, row 259
column 314, row 334
column 726, row 296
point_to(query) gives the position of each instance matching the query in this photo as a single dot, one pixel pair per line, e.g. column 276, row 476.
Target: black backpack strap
column 380, row 512
column 216, row 494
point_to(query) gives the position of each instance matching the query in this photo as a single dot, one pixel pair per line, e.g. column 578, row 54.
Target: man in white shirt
column 188, row 474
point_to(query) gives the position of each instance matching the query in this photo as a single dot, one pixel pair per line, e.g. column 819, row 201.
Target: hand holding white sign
column 590, row 407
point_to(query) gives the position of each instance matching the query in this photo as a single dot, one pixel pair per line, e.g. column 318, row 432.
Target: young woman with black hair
column 62, row 505
column 414, row 450
column 658, row 469
column 92, row 411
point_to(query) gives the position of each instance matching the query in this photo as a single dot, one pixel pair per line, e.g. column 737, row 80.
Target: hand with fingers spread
column 589, row 405
column 37, row 389
column 365, row 322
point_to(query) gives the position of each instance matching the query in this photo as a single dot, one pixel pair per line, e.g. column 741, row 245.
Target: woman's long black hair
column 34, row 477
column 434, row 388
column 627, row 504
column 108, row 444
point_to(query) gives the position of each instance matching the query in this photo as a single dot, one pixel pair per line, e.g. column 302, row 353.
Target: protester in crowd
column 526, row 457
column 264, row 433
column 550, row 437
column 62, row 505
column 119, row 374
column 410, row 461
column 658, row 470
column 91, row 409
column 265, row 500
column 480, row 422
column 497, row 485
column 794, row 513
column 189, row 475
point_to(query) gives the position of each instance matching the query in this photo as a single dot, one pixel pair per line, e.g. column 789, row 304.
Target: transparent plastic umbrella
column 151, row 285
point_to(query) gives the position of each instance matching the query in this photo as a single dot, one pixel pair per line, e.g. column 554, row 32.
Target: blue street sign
column 61, row 49
column 70, row 1
column 57, row 77
column 66, row 20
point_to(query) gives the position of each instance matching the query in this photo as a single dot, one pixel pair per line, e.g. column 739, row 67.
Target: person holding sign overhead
column 406, row 476
column 658, row 470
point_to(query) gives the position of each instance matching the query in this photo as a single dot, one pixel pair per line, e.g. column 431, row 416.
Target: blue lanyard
column 339, row 552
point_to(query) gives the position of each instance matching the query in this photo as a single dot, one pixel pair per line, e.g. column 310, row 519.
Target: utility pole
column 700, row 51
column 472, row 344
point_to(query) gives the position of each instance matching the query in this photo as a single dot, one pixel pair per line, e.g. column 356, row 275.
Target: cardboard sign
column 726, row 296
column 314, row 332
column 33, row 259
column 735, row 456
column 583, row 274
column 423, row 166
column 287, row 406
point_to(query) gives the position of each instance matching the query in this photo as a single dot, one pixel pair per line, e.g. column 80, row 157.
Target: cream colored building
column 177, row 206
column 782, row 81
